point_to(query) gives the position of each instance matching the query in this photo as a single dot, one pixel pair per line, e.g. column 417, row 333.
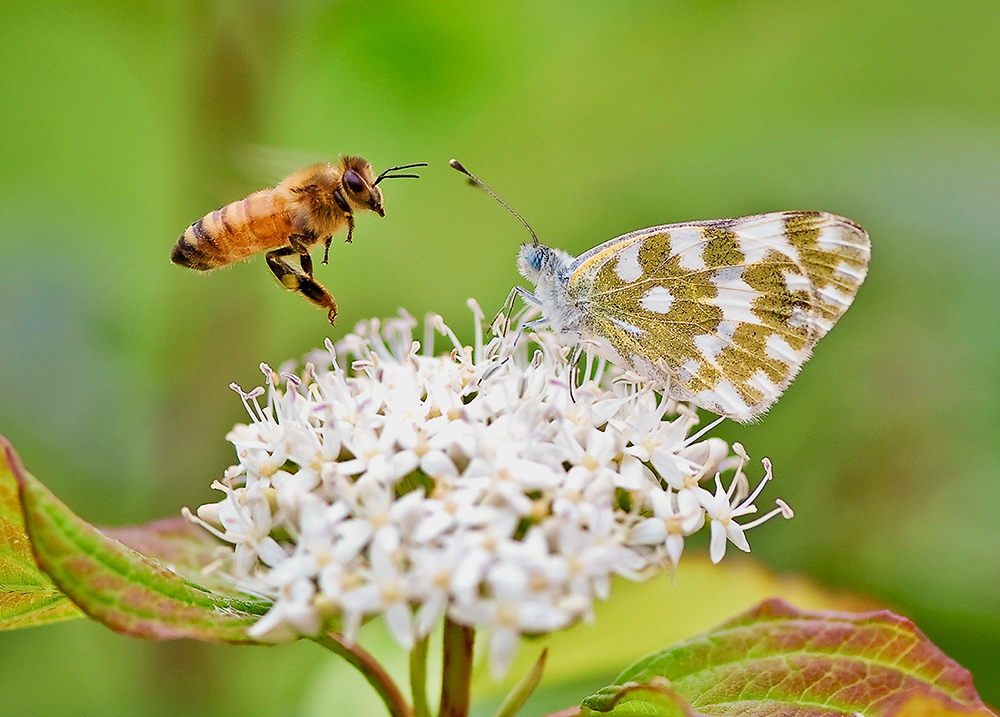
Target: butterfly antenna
column 455, row 164
column 387, row 173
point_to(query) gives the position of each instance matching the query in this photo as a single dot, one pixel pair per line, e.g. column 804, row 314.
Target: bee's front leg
column 329, row 239
column 350, row 228
column 300, row 280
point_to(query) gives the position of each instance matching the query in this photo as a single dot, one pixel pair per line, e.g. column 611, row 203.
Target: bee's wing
column 723, row 313
column 267, row 164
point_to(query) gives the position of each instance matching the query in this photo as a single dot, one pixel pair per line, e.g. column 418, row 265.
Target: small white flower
column 294, row 613
column 725, row 506
column 514, row 604
column 385, row 590
column 675, row 516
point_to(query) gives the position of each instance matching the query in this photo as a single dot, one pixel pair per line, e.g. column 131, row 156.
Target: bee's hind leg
column 300, row 244
column 300, row 280
column 306, row 262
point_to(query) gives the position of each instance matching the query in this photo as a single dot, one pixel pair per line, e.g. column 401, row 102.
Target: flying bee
column 307, row 207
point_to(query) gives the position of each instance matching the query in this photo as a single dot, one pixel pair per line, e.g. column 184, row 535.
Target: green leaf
column 516, row 698
column 777, row 659
column 185, row 548
column 27, row 596
column 653, row 699
column 130, row 593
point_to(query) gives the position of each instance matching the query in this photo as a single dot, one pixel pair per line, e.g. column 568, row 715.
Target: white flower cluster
column 476, row 484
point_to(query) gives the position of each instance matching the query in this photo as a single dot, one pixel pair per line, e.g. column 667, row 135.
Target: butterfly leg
column 300, row 280
column 506, row 309
column 501, row 324
column 526, row 295
column 528, row 298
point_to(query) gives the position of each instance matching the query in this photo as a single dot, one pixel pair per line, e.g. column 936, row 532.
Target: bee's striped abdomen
column 234, row 232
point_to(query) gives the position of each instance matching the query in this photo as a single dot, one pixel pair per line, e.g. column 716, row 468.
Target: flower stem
column 372, row 671
column 515, row 700
column 456, row 669
column 418, row 679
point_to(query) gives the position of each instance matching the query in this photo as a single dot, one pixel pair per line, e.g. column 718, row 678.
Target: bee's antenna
column 455, row 164
column 386, row 174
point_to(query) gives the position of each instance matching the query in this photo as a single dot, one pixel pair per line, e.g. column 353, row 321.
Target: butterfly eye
column 533, row 257
column 353, row 181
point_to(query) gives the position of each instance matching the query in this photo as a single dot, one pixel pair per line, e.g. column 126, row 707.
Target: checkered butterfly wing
column 722, row 313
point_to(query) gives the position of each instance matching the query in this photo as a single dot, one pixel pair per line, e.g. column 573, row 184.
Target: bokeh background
column 120, row 124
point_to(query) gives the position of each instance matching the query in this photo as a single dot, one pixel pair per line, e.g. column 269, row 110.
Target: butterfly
column 719, row 313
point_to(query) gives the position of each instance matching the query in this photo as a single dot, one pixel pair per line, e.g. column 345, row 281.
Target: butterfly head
column 541, row 264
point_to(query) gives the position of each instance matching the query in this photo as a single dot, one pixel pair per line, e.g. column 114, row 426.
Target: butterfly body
column 721, row 313
column 550, row 270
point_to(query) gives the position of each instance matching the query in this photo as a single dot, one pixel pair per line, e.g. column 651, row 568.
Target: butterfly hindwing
column 722, row 313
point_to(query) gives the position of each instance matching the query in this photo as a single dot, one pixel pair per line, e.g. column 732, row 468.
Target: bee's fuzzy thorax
column 312, row 202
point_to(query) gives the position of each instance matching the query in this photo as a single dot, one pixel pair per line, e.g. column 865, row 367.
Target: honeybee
column 307, row 207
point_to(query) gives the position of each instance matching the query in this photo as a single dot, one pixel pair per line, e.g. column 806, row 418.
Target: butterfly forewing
column 722, row 313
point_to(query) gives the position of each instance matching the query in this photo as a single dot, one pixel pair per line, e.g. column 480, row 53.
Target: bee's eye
column 353, row 181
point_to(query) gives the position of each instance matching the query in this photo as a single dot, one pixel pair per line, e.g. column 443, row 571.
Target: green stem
column 515, row 700
column 418, row 679
column 372, row 671
column 456, row 669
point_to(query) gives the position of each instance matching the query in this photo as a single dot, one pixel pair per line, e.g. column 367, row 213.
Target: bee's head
column 358, row 185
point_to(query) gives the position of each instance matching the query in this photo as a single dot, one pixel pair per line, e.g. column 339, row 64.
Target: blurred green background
column 120, row 125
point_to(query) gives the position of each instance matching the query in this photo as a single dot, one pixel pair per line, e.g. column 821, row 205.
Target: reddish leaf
column 182, row 547
column 130, row 593
column 776, row 659
column 27, row 596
